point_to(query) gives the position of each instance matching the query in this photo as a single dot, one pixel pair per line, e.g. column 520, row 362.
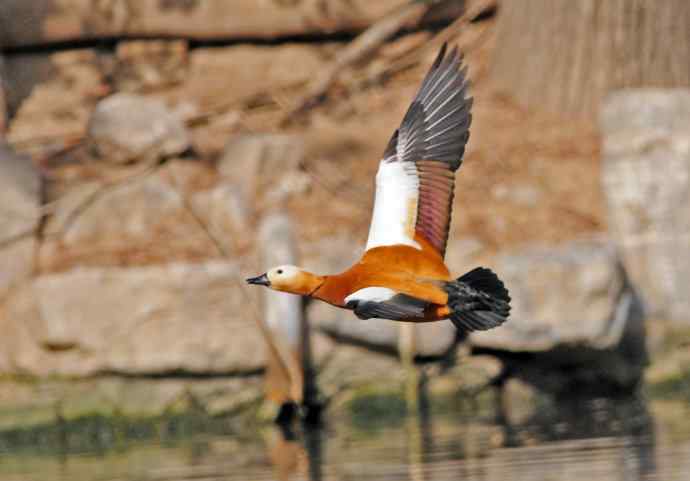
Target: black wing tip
column 444, row 95
column 445, row 59
column 440, row 56
column 436, row 125
column 391, row 148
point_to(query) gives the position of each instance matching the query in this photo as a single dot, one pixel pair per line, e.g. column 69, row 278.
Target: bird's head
column 288, row 279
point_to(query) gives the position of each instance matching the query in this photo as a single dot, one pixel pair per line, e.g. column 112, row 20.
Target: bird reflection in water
column 295, row 453
column 296, row 449
column 597, row 435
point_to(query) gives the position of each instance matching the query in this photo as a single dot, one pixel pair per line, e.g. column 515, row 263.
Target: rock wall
column 170, row 155
column 646, row 179
column 167, row 319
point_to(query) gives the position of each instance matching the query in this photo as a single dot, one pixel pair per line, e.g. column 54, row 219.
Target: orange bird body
column 418, row 273
column 402, row 275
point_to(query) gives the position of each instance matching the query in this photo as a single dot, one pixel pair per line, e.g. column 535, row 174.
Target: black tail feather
column 478, row 300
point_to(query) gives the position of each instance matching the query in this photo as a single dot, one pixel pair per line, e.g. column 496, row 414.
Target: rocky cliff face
column 159, row 159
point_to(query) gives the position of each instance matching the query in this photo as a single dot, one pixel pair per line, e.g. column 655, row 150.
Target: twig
column 362, row 46
column 335, row 190
column 217, row 244
column 69, row 144
column 85, row 204
column 410, row 59
column 8, row 241
column 64, row 142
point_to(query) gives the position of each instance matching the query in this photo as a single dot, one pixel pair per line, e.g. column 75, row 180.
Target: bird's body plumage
column 417, row 273
column 402, row 275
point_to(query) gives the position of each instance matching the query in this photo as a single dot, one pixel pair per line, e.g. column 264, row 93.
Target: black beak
column 261, row 280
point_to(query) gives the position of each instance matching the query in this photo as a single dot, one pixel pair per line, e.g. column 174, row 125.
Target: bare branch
column 362, row 46
column 8, row 241
column 91, row 199
column 409, row 60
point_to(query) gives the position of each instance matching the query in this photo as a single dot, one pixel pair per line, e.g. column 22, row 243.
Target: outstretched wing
column 416, row 177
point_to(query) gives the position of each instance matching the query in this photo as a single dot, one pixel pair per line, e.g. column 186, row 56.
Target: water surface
column 600, row 439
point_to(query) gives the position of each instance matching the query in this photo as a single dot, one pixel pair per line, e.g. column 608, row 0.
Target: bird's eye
column 280, row 271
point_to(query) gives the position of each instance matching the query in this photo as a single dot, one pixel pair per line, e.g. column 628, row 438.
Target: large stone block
column 127, row 127
column 646, row 179
column 144, row 320
column 575, row 318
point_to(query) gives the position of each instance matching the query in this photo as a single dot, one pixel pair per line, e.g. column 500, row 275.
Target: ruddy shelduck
column 402, row 275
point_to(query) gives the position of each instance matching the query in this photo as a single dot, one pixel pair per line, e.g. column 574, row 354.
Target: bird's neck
column 332, row 290
column 306, row 284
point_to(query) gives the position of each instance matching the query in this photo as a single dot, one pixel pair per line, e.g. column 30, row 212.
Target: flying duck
column 402, row 275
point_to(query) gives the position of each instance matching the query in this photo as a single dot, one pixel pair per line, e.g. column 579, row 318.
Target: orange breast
column 405, row 269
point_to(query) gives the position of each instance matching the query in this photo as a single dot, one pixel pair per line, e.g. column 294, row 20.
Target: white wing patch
column 395, row 205
column 375, row 294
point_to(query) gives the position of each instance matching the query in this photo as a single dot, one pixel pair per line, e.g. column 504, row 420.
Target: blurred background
column 153, row 154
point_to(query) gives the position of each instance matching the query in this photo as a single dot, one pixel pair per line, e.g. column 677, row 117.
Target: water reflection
column 294, row 453
column 591, row 439
column 599, row 438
